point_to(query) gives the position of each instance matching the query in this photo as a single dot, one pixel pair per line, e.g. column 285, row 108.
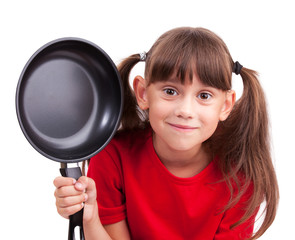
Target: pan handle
column 77, row 218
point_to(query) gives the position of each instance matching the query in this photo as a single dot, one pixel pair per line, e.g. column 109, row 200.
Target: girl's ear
column 228, row 105
column 139, row 86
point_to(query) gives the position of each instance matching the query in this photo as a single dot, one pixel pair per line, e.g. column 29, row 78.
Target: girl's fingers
column 67, row 211
column 66, row 191
column 63, row 181
column 87, row 184
column 70, row 195
column 65, row 187
column 71, row 200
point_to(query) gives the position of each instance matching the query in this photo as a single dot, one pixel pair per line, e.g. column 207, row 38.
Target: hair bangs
column 213, row 69
column 172, row 60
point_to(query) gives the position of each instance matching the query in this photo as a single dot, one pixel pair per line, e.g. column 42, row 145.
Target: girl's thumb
column 87, row 185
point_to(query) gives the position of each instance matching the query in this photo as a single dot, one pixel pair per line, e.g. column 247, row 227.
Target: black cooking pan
column 69, row 102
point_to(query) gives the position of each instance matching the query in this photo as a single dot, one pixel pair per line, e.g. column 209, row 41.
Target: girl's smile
column 182, row 128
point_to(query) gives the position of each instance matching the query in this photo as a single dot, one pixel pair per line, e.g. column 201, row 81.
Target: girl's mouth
column 185, row 128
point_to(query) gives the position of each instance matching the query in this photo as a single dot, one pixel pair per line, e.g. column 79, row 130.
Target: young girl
column 188, row 161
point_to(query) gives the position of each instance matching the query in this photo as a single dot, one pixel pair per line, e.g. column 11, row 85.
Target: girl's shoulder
column 131, row 138
column 119, row 150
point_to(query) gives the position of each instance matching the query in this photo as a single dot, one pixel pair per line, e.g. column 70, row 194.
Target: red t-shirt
column 133, row 183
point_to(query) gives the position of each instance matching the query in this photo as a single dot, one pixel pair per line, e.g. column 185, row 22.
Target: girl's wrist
column 93, row 217
column 92, row 221
column 93, row 229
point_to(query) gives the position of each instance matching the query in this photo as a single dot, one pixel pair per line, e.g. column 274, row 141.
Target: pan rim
column 19, row 86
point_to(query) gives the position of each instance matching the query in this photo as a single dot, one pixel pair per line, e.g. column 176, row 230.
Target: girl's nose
column 185, row 108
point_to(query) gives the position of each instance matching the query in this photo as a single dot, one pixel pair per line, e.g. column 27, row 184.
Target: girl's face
column 183, row 116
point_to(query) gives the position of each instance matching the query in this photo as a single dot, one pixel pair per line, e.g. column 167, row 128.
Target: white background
column 259, row 34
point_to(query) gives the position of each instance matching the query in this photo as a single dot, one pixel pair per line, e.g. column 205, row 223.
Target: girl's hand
column 71, row 196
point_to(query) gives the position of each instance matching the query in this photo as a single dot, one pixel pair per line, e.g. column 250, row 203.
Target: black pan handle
column 77, row 218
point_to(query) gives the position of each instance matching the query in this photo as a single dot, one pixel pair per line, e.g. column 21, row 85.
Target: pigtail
column 132, row 117
column 247, row 152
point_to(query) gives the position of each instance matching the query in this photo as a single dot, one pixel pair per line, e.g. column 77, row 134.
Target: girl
column 188, row 161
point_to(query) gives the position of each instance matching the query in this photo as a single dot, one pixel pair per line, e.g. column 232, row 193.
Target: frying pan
column 69, row 103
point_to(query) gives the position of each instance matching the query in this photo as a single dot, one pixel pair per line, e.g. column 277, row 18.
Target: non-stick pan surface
column 69, row 100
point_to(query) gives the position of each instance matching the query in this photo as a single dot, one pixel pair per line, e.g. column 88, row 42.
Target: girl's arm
column 240, row 232
column 243, row 231
column 117, row 231
column 71, row 195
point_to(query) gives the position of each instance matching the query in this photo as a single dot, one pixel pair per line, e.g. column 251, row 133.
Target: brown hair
column 188, row 51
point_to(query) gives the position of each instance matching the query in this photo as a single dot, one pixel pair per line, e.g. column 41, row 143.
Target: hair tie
column 237, row 68
column 142, row 56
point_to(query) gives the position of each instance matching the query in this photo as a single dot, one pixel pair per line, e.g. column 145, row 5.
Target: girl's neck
column 184, row 163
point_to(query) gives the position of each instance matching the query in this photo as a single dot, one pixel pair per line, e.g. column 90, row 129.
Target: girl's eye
column 204, row 96
column 170, row 91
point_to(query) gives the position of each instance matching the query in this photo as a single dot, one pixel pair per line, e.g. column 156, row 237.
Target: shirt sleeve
column 105, row 169
column 233, row 215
